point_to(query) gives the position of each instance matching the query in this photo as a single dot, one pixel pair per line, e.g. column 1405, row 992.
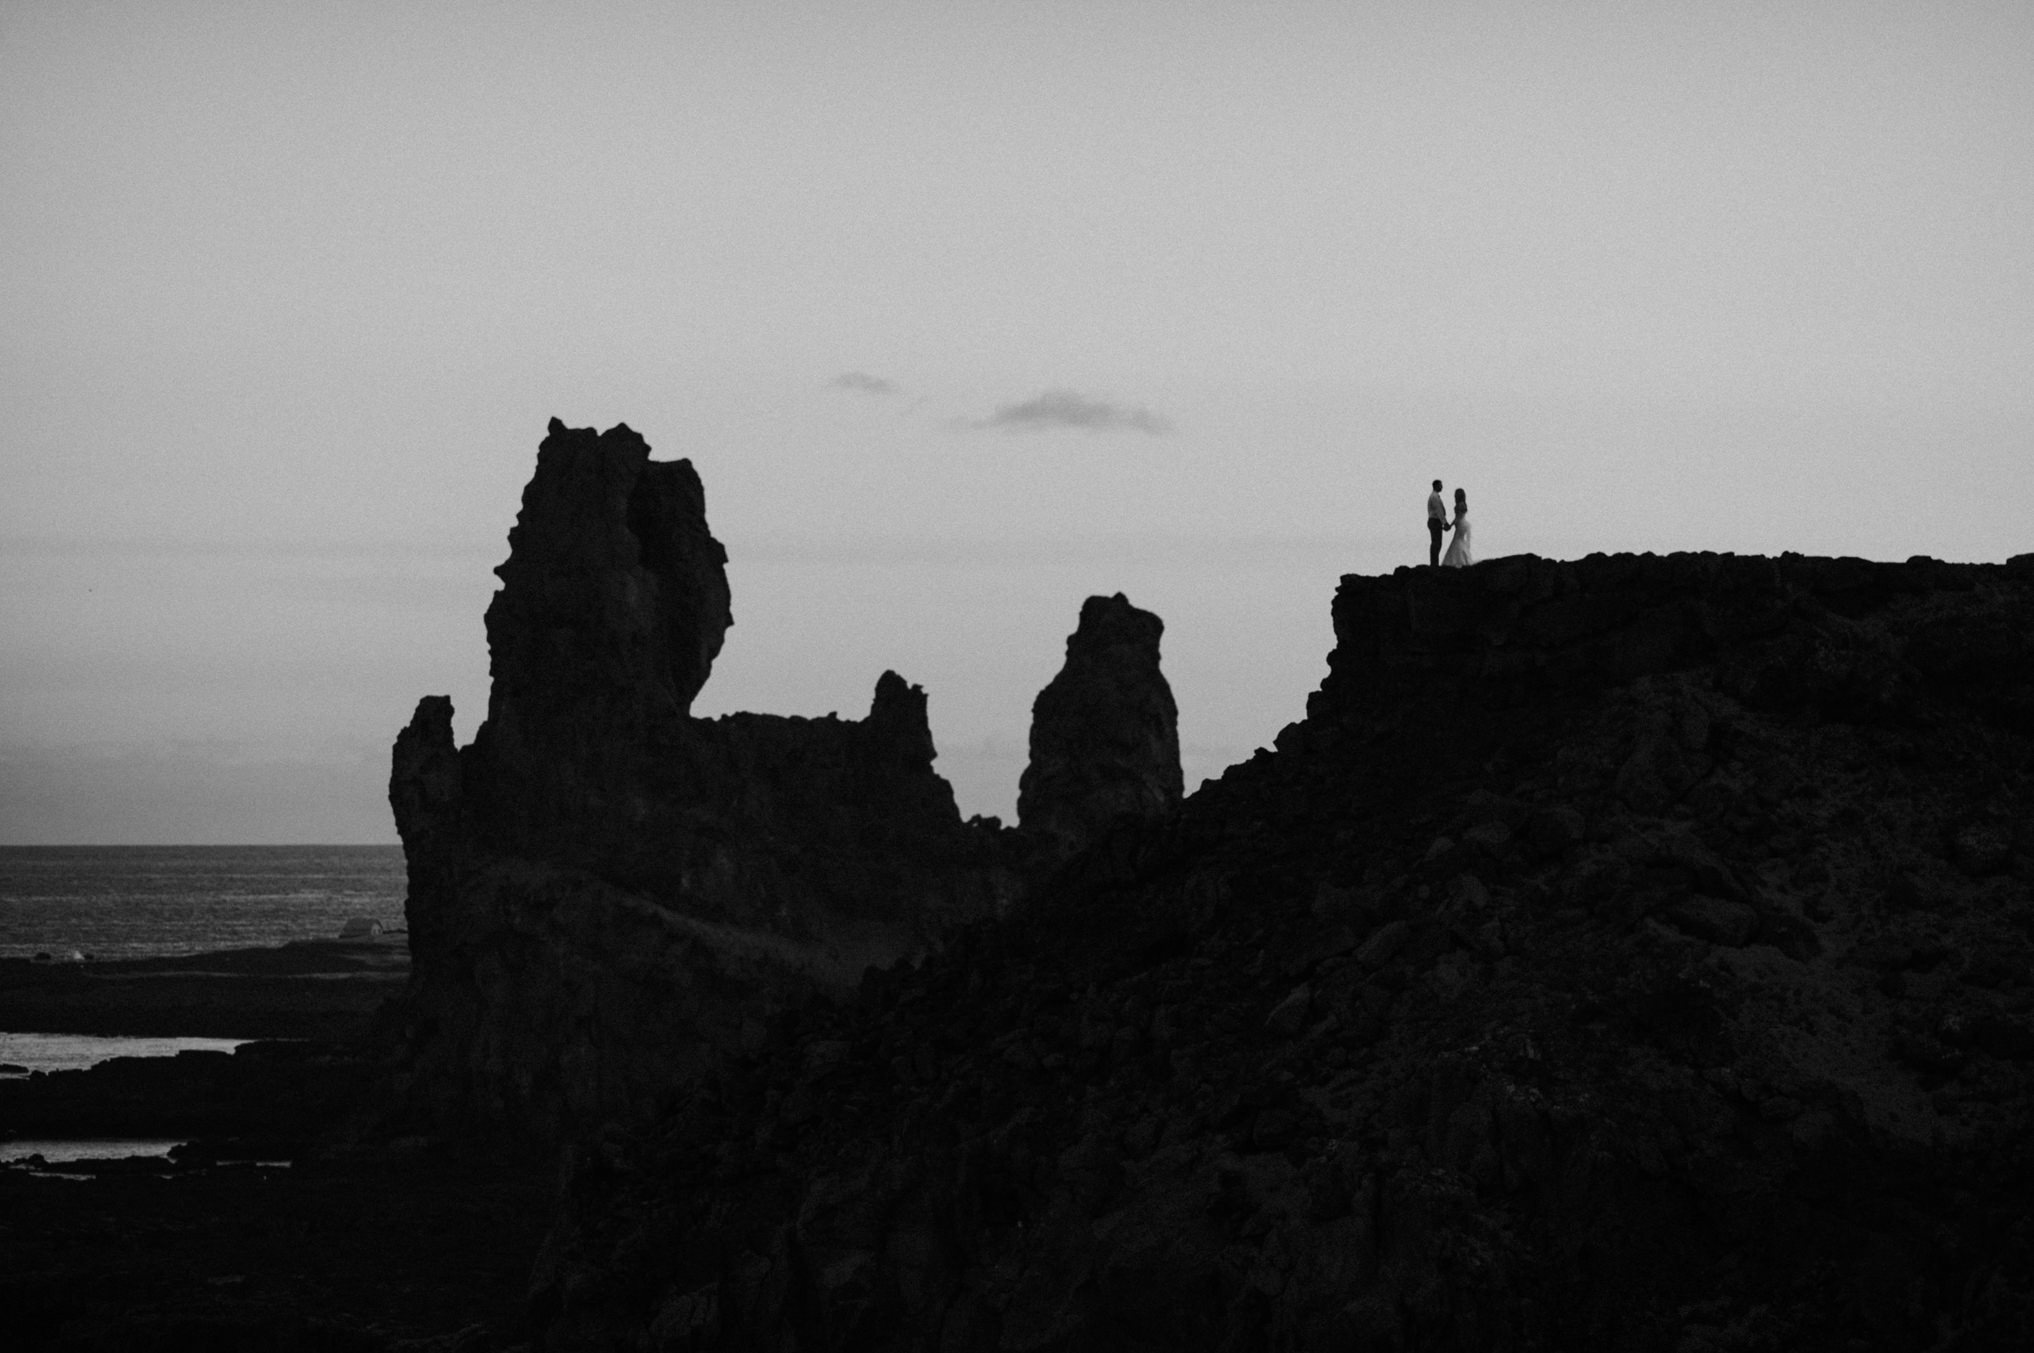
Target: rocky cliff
column 1633, row 953
column 1104, row 733
column 606, row 894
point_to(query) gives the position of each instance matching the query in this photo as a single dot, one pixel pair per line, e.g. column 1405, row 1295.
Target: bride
column 1460, row 552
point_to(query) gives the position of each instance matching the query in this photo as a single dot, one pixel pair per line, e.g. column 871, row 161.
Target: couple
column 1459, row 555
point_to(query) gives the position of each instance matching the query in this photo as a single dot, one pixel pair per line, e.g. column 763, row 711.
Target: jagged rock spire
column 1104, row 733
column 614, row 598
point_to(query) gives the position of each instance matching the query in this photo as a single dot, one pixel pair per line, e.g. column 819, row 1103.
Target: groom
column 1437, row 522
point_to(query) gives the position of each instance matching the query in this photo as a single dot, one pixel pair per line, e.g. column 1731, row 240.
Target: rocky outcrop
column 613, row 605
column 1633, row 953
column 281, row 1094
column 1824, row 638
column 607, row 894
column 1104, row 733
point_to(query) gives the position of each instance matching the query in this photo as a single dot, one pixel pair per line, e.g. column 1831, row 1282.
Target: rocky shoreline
column 308, row 1010
column 322, row 989
column 269, row 1226
column 430, row 1251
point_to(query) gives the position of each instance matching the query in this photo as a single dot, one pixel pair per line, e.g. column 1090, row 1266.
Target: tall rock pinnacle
column 1104, row 733
column 614, row 598
column 613, row 606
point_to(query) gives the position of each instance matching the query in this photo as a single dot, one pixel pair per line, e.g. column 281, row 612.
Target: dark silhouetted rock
column 1624, row 954
column 607, row 894
column 1713, row 918
column 613, row 605
column 1104, row 733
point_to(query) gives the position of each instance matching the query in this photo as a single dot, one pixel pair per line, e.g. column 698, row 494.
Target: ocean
column 145, row 901
column 113, row 902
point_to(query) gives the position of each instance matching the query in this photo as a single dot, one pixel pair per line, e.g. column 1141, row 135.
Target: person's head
column 1461, row 498
column 1437, row 486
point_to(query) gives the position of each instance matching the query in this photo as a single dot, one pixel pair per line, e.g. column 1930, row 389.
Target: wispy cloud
column 1067, row 409
column 864, row 382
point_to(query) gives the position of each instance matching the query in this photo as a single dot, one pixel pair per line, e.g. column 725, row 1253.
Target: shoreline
column 260, row 1227
column 324, row 989
column 365, row 1254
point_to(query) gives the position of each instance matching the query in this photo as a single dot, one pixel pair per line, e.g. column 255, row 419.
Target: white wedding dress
column 1460, row 552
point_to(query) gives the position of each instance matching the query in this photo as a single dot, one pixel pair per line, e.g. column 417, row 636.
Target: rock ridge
column 1630, row 953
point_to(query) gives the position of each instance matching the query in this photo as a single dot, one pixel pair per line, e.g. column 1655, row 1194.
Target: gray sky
column 964, row 312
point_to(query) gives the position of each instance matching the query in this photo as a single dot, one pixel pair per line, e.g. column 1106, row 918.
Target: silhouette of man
column 1437, row 522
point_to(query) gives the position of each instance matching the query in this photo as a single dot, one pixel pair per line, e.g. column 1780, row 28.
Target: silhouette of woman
column 1460, row 552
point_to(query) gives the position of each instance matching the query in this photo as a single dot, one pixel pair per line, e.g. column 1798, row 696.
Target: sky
column 964, row 312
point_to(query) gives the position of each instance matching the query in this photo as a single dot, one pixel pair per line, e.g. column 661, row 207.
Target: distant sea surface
column 149, row 901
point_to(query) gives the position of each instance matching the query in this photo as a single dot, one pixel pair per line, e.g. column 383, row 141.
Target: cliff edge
column 1626, row 953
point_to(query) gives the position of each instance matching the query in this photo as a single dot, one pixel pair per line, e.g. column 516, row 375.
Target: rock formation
column 1104, row 733
column 1634, row 953
column 606, row 894
column 614, row 602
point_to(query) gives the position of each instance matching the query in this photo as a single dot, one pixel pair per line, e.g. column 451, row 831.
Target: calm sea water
column 55, row 1151
column 151, row 901
column 64, row 1052
column 143, row 901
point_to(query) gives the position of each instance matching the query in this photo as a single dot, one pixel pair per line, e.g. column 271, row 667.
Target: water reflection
column 75, row 1052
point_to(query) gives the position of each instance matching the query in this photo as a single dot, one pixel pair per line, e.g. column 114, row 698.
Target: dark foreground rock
column 253, row 1234
column 425, row 1253
column 1635, row 953
column 294, row 1092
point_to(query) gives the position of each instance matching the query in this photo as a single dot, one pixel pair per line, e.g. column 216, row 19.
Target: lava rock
column 1104, row 732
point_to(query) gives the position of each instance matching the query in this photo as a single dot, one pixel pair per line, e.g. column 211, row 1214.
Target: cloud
column 1066, row 409
column 864, row 382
